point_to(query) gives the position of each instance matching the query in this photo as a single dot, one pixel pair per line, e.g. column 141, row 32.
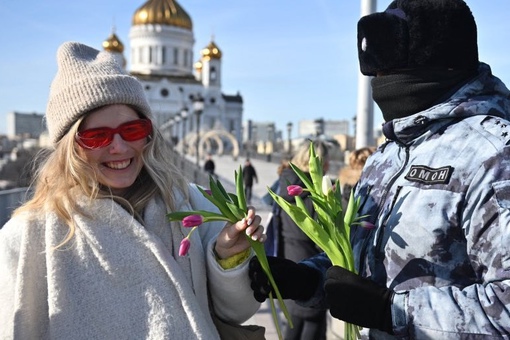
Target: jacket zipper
column 363, row 252
column 382, row 229
column 365, row 241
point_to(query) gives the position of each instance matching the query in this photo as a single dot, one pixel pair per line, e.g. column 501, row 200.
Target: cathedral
column 185, row 95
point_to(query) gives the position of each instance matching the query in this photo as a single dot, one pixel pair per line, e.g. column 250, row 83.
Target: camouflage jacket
column 438, row 192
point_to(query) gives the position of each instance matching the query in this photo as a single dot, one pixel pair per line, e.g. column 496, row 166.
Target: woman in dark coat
column 309, row 323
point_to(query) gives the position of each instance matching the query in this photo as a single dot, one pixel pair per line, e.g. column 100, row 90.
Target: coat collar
column 485, row 94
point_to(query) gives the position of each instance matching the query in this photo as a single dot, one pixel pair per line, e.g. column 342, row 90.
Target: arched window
column 213, row 74
column 176, row 56
column 186, row 58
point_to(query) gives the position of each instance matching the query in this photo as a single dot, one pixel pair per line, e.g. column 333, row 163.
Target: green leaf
column 216, row 198
column 236, row 211
column 180, row 215
column 260, row 252
column 301, row 205
column 303, row 177
column 311, row 228
column 338, row 192
column 219, row 188
column 241, row 199
column 321, row 208
column 316, row 169
column 342, row 237
column 207, row 215
column 233, row 198
column 275, row 316
column 320, row 202
column 352, row 209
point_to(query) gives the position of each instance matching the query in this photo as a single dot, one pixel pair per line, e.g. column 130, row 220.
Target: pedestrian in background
column 249, row 176
column 274, row 243
column 91, row 255
column 209, row 165
column 436, row 265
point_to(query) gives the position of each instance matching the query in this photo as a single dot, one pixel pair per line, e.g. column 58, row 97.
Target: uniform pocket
column 502, row 193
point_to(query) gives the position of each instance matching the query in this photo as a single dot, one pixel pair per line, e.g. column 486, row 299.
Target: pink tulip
column 294, row 190
column 367, row 225
column 183, row 249
column 192, row 221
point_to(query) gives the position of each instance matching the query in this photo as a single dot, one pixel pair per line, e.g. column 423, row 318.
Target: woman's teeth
column 118, row 165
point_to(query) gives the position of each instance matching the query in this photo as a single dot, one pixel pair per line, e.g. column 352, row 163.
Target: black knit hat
column 418, row 33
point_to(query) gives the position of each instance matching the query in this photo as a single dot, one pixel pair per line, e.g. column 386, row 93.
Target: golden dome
column 211, row 51
column 113, row 44
column 162, row 12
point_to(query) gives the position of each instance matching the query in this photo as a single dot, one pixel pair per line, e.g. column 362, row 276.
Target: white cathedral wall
column 147, row 56
column 165, row 107
column 211, row 79
column 144, row 37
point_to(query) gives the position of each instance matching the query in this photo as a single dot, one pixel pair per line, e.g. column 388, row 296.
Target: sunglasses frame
column 142, row 123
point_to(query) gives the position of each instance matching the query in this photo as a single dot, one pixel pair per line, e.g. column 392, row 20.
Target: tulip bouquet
column 331, row 228
column 232, row 208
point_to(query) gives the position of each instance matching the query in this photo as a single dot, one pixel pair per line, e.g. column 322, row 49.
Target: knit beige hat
column 88, row 79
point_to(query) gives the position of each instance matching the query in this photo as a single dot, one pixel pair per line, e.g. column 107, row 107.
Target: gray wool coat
column 116, row 278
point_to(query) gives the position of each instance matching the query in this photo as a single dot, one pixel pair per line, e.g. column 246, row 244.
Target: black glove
column 357, row 300
column 294, row 280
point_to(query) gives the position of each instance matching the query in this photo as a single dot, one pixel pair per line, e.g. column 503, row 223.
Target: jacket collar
column 485, row 94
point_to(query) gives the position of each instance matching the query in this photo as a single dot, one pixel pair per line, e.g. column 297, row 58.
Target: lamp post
column 319, row 127
column 254, row 132
column 168, row 127
column 270, row 139
column 198, row 108
column 289, row 131
column 177, row 122
column 184, row 116
column 171, row 123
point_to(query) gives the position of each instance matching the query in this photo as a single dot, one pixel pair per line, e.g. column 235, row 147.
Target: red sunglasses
column 100, row 137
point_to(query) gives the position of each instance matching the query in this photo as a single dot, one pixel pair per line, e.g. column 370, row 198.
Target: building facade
column 27, row 125
column 161, row 55
column 323, row 127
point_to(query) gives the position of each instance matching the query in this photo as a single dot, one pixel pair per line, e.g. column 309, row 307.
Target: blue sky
column 290, row 59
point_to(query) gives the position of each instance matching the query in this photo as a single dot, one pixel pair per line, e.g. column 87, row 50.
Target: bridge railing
column 10, row 200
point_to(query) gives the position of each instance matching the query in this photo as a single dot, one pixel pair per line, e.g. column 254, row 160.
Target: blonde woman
column 350, row 174
column 91, row 255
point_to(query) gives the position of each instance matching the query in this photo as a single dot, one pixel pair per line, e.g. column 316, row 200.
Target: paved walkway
column 266, row 173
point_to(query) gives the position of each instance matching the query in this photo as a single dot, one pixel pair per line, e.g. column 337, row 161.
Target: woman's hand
column 232, row 239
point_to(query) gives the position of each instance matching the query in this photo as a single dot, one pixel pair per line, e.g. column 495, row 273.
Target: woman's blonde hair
column 302, row 157
column 63, row 173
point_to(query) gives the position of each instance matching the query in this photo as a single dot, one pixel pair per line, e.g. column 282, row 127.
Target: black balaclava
column 408, row 92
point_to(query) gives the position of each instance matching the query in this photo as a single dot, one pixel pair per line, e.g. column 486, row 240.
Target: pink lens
column 100, row 137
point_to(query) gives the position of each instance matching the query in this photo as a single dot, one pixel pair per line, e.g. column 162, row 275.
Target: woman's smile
column 118, row 164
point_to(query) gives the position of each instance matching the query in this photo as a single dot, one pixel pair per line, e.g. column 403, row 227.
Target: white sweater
column 116, row 279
